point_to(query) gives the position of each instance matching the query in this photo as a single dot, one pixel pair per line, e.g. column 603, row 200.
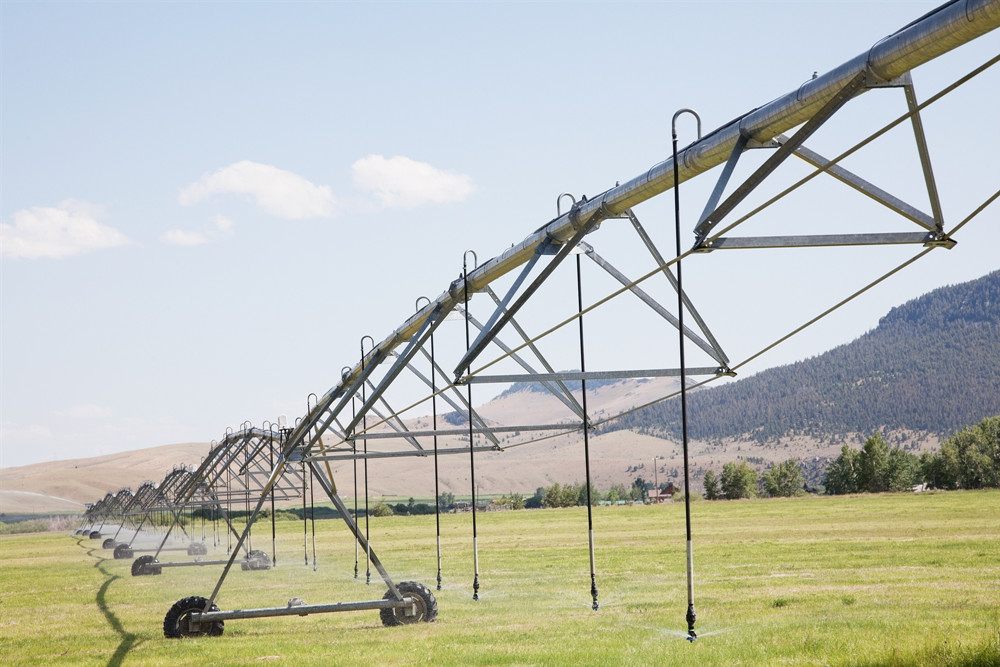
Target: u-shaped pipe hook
column 363, row 346
column 677, row 114
column 309, row 403
column 559, row 202
column 465, row 256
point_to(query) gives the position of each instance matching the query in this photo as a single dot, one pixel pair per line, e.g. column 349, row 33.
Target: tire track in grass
column 129, row 640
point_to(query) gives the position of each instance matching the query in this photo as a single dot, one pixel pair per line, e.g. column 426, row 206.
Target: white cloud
column 279, row 192
column 86, row 412
column 71, row 228
column 221, row 226
column 402, row 182
column 224, row 224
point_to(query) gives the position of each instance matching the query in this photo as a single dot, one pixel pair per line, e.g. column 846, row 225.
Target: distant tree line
column 970, row 459
column 739, row 480
column 570, row 495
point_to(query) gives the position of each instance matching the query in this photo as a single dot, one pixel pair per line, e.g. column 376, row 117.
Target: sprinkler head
column 690, row 621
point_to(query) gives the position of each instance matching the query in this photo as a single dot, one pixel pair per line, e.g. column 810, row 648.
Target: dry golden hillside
column 616, row 457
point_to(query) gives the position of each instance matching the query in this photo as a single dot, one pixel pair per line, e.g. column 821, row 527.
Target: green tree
column 516, row 500
column 738, row 480
column 711, row 483
column 568, row 495
column 970, row 459
column 595, row 495
column 873, row 465
column 902, row 470
column 784, row 479
column 381, row 509
column 553, row 495
column 932, row 471
column 446, row 500
column 842, row 475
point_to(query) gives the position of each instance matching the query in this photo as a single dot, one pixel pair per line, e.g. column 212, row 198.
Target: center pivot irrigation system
column 374, row 411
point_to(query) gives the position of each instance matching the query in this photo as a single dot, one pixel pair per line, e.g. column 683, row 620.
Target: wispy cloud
column 401, row 182
column 221, row 226
column 89, row 411
column 71, row 228
column 281, row 193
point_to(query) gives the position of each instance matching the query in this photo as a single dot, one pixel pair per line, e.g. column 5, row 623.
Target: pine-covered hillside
column 931, row 365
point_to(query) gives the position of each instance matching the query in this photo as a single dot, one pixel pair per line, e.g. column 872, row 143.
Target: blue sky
column 206, row 205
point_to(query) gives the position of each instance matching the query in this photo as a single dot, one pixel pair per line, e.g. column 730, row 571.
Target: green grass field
column 860, row 580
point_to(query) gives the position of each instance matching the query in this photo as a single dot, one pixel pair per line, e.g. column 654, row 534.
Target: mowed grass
column 862, row 580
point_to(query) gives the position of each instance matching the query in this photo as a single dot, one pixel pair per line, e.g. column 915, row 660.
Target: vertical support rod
column 229, row 506
column 354, row 449
column 274, row 539
column 246, row 484
column 437, row 490
column 312, row 511
column 364, row 443
column 305, row 519
column 586, row 439
column 472, row 452
column 690, row 617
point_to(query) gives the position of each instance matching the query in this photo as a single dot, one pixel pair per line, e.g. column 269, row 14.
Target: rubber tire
column 197, row 549
column 256, row 560
column 142, row 565
column 95, row 535
column 123, row 551
column 175, row 623
column 109, row 543
column 426, row 603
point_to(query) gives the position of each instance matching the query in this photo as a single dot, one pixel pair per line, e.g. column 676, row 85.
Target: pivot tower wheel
column 123, row 551
column 256, row 560
column 425, row 606
column 197, row 549
column 109, row 543
column 95, row 535
column 178, row 623
column 145, row 565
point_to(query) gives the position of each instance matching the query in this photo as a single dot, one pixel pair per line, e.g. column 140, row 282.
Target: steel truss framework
column 233, row 473
column 362, row 407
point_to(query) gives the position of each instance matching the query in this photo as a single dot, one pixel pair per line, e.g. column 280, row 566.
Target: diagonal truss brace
column 719, row 355
column 502, row 315
column 710, row 220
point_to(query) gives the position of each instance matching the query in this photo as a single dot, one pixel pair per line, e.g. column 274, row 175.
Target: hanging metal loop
column 559, row 201
column 677, row 114
column 475, row 259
